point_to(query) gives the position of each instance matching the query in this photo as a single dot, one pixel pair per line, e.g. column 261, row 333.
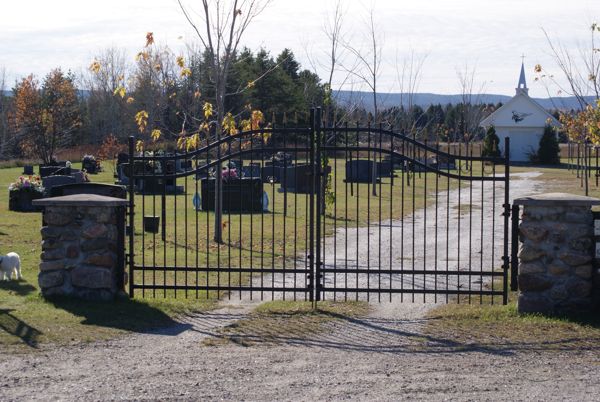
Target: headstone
column 251, row 171
column 296, row 179
column 28, row 170
column 239, row 195
column 359, row 171
column 108, row 190
column 51, row 181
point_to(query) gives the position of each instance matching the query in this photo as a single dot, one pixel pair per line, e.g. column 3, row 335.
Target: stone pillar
column 82, row 246
column 556, row 255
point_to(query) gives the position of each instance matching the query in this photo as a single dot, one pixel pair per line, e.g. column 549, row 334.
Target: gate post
column 505, row 257
column 311, row 211
column 318, row 189
column 131, row 214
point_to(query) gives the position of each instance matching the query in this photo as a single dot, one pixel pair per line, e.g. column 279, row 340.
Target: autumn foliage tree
column 45, row 117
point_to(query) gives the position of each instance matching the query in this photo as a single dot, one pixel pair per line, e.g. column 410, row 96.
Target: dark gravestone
column 359, row 171
column 251, row 171
column 46, row 171
column 122, row 158
column 90, row 164
column 108, row 190
column 50, row 181
column 239, row 195
column 28, row 170
column 297, row 179
column 446, row 162
column 384, row 169
column 270, row 174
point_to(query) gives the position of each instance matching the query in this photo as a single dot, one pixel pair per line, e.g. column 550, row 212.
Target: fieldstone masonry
column 82, row 246
column 557, row 254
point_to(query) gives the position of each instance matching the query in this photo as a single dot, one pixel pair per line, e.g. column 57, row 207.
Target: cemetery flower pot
column 21, row 200
column 151, row 224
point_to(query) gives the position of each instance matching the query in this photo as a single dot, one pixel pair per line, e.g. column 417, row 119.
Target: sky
column 484, row 36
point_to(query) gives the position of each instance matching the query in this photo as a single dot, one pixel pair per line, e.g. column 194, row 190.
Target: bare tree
column 471, row 111
column 408, row 75
column 581, row 70
column 109, row 112
column 220, row 26
column 367, row 64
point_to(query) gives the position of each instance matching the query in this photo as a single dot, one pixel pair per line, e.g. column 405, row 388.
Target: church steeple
column 522, row 86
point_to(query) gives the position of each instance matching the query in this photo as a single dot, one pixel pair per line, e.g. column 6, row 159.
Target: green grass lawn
column 500, row 327
column 28, row 321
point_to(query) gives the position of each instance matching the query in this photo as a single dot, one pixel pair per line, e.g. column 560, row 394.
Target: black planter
column 151, row 224
column 239, row 195
column 21, row 200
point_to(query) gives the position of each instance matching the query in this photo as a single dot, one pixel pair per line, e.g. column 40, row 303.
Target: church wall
column 523, row 141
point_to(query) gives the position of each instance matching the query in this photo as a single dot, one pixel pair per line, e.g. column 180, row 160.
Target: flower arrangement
column 229, row 173
column 27, row 183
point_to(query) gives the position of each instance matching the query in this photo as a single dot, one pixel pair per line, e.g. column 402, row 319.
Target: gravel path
column 384, row 356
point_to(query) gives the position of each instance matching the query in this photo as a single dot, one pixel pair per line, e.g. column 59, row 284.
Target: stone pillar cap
column 557, row 199
column 81, row 200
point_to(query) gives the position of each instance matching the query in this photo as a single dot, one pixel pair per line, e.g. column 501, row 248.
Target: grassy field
column 261, row 241
column 501, row 327
column 28, row 321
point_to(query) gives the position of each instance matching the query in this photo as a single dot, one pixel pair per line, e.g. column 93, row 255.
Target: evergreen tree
column 548, row 153
column 490, row 143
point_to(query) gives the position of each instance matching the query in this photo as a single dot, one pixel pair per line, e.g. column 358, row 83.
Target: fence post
column 131, row 214
column 506, row 214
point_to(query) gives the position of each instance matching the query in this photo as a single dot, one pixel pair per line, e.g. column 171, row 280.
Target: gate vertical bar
column 506, row 214
column 319, row 195
column 131, row 214
column 311, row 216
column 514, row 249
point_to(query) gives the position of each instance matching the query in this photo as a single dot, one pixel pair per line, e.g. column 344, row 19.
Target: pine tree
column 490, row 143
column 548, row 150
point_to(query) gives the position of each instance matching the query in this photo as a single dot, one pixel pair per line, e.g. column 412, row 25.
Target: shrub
column 490, row 143
column 548, row 152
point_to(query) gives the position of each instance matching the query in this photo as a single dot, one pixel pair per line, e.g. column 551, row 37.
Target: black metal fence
column 314, row 213
column 583, row 159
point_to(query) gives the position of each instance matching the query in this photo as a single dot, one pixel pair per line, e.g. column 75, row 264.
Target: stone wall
column 81, row 248
column 556, row 255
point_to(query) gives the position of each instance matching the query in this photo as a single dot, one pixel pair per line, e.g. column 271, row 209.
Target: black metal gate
column 313, row 212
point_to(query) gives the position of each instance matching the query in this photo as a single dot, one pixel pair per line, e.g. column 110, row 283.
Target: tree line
column 64, row 110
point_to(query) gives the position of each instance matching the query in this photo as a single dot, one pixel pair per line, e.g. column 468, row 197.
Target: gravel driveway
column 384, row 356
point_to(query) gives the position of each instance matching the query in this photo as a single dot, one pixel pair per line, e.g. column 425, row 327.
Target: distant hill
column 387, row 100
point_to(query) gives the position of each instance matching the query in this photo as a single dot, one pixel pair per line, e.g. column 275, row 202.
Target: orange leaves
column 149, row 39
column 130, row 100
column 185, row 72
column 180, row 61
column 95, row 67
column 208, row 110
column 120, row 90
column 139, row 146
column 141, row 119
column 228, row 124
column 155, row 134
column 142, row 56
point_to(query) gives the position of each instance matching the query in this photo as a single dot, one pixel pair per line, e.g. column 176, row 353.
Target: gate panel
column 313, row 213
column 265, row 228
column 412, row 221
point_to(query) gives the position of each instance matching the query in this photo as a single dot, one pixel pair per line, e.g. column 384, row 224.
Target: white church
column 522, row 120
